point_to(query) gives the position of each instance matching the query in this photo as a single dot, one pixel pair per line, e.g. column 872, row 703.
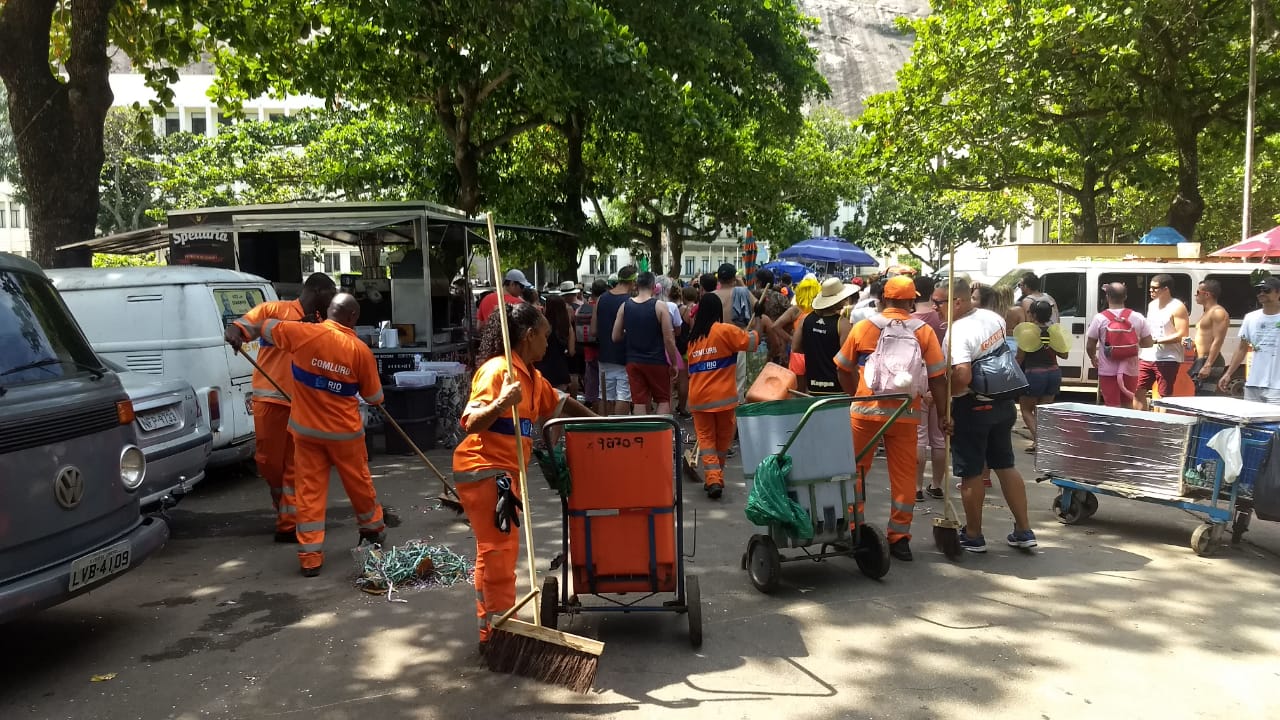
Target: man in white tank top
column 1169, row 321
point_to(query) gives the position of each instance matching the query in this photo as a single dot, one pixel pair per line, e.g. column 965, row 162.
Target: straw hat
column 834, row 291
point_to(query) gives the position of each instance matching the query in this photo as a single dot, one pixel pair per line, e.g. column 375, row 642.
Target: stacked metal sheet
column 1096, row 444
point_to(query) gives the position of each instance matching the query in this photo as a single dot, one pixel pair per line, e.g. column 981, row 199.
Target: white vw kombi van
column 1076, row 286
column 169, row 321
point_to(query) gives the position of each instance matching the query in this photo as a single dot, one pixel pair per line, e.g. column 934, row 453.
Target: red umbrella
column 1266, row 244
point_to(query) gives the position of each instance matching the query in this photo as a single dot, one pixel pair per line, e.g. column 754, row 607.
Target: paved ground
column 1113, row 618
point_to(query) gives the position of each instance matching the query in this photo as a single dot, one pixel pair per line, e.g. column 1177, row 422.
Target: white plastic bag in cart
column 1227, row 444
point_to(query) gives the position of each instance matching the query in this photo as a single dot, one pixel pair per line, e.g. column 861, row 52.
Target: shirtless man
column 1211, row 331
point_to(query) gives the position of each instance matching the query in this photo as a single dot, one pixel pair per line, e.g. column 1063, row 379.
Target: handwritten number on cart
column 610, row 443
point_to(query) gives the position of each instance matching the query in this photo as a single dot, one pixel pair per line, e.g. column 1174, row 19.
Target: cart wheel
column 764, row 567
column 1240, row 526
column 693, row 599
column 547, row 603
column 1071, row 515
column 1206, row 538
column 1090, row 505
column 871, row 551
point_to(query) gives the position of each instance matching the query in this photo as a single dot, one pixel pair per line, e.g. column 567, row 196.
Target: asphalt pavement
column 1114, row 617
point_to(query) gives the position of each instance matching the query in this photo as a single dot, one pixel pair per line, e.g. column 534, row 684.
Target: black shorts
column 982, row 435
column 1209, row 385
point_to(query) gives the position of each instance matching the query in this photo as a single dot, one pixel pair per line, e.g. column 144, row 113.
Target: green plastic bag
column 768, row 503
column 555, row 468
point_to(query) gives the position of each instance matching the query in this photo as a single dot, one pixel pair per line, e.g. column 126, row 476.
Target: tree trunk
column 466, row 160
column 675, row 243
column 58, row 125
column 572, row 219
column 1087, row 199
column 1188, row 205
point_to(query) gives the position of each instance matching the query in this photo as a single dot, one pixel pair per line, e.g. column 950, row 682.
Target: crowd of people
column 641, row 343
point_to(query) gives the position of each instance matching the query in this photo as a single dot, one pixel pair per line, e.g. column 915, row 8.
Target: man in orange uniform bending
column 866, row 418
column 330, row 366
column 274, row 445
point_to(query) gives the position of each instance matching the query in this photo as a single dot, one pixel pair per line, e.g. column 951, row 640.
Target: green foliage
column 1081, row 100
column 8, row 150
column 106, row 260
column 129, row 172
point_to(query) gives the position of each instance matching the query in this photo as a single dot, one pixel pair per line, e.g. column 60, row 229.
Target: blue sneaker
column 1022, row 539
column 974, row 544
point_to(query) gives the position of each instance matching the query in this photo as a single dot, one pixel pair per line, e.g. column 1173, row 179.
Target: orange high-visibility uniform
column 478, row 459
column 273, row 442
column 713, row 394
column 330, row 366
column 866, row 418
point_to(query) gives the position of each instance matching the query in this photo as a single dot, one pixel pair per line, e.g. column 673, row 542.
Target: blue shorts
column 982, row 435
column 1043, row 382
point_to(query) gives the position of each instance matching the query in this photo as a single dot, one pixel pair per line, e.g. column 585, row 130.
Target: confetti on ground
column 411, row 564
column 102, row 678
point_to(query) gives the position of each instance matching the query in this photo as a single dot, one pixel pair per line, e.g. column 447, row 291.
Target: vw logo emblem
column 68, row 487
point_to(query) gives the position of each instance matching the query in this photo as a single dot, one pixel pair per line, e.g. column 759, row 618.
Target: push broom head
column 946, row 535
column 543, row 654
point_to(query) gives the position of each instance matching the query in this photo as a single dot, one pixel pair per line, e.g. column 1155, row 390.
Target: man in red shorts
column 644, row 328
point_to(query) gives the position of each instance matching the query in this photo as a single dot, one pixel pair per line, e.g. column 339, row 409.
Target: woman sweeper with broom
column 486, row 462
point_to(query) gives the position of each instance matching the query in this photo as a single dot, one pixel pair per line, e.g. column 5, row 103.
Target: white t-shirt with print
column 1262, row 332
column 974, row 335
column 1098, row 328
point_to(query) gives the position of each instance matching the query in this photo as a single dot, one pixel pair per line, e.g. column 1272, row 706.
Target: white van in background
column 1076, row 286
column 169, row 321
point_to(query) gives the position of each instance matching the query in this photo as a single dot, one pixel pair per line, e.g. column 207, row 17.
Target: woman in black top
column 1044, row 377
column 554, row 365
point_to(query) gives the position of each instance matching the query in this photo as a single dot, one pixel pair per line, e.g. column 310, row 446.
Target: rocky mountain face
column 859, row 49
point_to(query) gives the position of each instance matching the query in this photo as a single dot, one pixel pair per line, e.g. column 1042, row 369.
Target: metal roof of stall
column 389, row 223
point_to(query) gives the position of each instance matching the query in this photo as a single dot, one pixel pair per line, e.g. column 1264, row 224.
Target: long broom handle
column 264, row 373
column 515, row 419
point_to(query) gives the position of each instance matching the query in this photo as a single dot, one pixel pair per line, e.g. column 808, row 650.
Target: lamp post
column 1248, row 122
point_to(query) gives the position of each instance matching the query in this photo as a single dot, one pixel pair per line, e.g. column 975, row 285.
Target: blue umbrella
column 828, row 249
column 777, row 267
column 1162, row 235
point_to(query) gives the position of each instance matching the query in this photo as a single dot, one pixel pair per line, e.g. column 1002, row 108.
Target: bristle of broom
column 947, row 539
column 541, row 660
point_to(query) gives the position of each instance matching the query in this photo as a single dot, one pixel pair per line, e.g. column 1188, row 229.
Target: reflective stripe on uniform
column 267, row 328
column 310, row 547
column 375, row 398
column 310, row 526
column 476, row 475
column 288, row 510
column 322, row 435
column 287, row 489
column 903, row 507
column 273, row 394
column 365, row 517
column 936, row 368
column 717, row 404
column 873, row 411
column 898, row 527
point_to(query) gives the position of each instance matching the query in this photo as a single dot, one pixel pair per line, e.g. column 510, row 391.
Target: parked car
column 171, row 432
column 175, row 320
column 70, row 466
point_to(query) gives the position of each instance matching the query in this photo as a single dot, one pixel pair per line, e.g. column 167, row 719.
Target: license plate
column 158, row 419
column 99, row 565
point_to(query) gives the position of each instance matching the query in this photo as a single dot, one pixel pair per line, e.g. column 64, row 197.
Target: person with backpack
column 585, row 337
column 892, row 352
column 984, row 381
column 1114, row 337
column 1040, row 344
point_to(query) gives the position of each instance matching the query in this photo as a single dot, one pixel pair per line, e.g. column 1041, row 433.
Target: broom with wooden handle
column 946, row 529
column 515, row 646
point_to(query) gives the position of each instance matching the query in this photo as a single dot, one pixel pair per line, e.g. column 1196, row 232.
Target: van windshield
column 38, row 338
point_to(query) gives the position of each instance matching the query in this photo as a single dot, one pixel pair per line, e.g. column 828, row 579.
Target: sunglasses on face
column 1265, row 291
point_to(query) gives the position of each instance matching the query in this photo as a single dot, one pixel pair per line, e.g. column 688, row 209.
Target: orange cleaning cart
column 623, row 521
